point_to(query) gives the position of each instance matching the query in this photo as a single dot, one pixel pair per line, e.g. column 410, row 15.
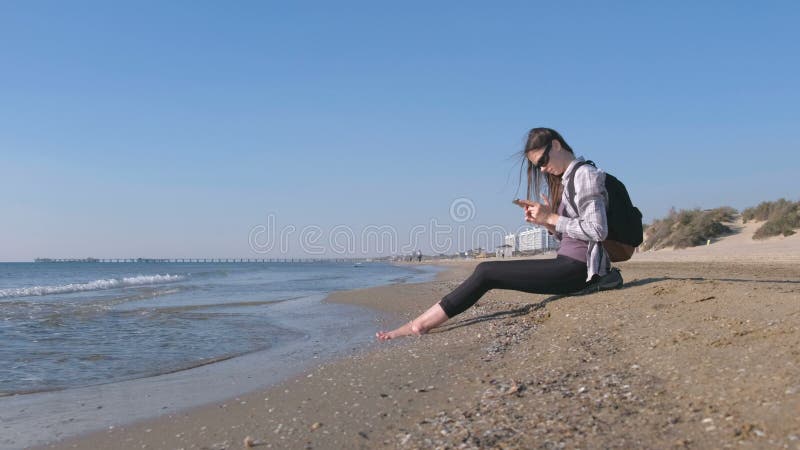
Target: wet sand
column 694, row 352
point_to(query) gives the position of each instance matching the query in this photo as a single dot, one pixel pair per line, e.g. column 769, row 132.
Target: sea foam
column 95, row 285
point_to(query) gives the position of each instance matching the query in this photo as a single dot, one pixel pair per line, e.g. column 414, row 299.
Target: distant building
column 545, row 241
column 504, row 251
column 536, row 239
column 526, row 240
column 471, row 253
column 511, row 241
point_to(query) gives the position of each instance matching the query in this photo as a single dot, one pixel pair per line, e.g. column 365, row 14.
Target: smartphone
column 522, row 203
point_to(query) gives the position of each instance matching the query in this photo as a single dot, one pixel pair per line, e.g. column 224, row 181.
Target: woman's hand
column 541, row 213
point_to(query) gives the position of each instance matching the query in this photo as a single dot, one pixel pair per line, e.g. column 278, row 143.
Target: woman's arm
column 590, row 198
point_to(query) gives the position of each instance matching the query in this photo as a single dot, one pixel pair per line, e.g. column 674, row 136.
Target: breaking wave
column 95, row 285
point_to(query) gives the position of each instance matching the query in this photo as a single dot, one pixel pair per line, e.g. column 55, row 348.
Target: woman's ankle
column 416, row 329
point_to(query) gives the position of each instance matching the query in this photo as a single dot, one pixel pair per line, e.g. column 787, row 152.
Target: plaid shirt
column 589, row 222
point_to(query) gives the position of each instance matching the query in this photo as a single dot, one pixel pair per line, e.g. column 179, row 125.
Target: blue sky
column 171, row 129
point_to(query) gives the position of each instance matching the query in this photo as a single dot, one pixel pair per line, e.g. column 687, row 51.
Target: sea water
column 71, row 325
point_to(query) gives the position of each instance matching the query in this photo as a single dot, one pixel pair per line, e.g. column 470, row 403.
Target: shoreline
column 40, row 418
column 87, row 395
column 686, row 355
column 74, row 412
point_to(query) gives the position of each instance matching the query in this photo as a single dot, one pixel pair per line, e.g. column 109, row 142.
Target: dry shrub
column 782, row 217
column 688, row 228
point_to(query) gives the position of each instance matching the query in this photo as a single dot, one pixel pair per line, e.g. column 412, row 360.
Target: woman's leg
column 541, row 276
column 561, row 275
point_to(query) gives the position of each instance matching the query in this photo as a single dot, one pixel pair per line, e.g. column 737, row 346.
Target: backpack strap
column 571, row 185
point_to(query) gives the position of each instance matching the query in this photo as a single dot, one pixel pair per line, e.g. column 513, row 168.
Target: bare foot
column 428, row 320
column 408, row 329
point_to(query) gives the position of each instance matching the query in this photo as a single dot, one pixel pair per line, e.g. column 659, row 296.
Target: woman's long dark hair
column 538, row 138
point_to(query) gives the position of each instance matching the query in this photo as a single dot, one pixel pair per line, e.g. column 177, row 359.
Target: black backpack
column 625, row 231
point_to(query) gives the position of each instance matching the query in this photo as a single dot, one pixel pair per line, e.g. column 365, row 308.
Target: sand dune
column 739, row 246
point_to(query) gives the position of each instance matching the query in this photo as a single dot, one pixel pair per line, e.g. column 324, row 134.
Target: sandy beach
column 700, row 349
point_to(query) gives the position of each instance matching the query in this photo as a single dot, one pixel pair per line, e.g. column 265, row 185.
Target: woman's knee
column 484, row 270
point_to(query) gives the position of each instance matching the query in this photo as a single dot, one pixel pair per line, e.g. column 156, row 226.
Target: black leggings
column 561, row 275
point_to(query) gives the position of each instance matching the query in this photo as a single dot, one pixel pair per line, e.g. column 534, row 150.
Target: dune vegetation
column 781, row 217
column 688, row 228
column 692, row 227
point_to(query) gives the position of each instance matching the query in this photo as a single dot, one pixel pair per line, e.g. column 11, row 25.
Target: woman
column 581, row 260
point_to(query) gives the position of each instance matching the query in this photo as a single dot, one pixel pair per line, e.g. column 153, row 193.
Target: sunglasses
column 545, row 158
